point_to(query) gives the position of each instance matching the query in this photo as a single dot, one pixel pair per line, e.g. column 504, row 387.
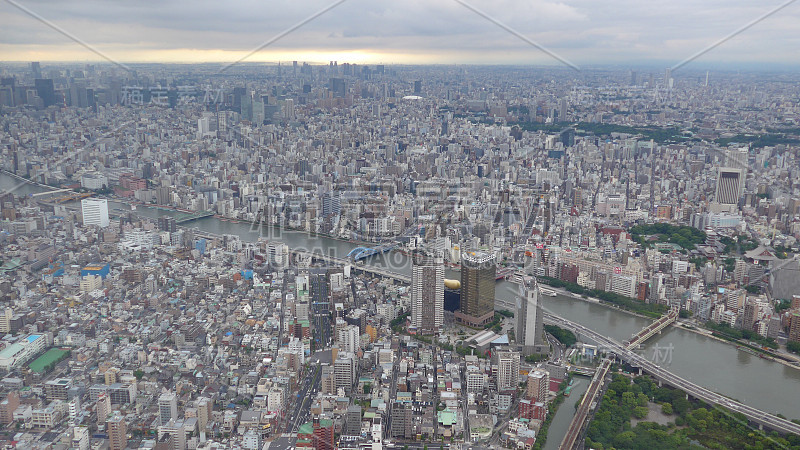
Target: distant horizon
column 571, row 33
column 721, row 67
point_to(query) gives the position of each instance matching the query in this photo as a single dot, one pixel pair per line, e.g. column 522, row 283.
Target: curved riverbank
column 740, row 346
column 722, row 368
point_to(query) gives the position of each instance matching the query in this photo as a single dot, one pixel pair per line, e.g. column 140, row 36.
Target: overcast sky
column 585, row 32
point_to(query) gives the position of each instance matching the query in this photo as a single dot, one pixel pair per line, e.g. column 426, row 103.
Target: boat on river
column 547, row 292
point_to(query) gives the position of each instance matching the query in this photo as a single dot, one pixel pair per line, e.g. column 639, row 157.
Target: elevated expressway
column 626, row 353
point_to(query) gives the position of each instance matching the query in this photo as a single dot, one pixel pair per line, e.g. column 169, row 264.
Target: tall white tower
column 529, row 326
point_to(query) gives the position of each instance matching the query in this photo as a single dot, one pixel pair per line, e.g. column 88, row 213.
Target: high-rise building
column 323, row 436
column 36, row 70
column 794, row 326
column 507, row 370
column 74, row 407
column 331, row 204
column 795, row 302
column 117, row 433
column 529, row 327
column 204, row 409
column 167, row 223
column 730, row 186
column 251, row 440
column 320, row 306
column 80, row 438
column 349, row 339
column 538, row 385
column 353, row 421
column 103, row 407
column 57, row 389
column 8, row 406
column 402, row 420
column 46, row 91
column 477, row 288
column 427, row 294
column 344, row 369
column 167, row 407
column 750, row 314
column 95, row 212
column 328, row 380
column 278, row 254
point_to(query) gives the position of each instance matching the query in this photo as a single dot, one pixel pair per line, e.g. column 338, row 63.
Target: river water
column 562, row 419
column 769, row 386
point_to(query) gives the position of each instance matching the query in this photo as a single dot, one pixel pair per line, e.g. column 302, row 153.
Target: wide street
column 300, row 405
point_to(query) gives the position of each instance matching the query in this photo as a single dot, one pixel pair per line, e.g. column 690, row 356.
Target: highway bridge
column 362, row 267
column 658, row 373
column 359, row 253
column 191, row 217
column 595, row 390
column 40, row 194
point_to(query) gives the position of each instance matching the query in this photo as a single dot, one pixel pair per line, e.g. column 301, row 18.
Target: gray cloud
column 583, row 31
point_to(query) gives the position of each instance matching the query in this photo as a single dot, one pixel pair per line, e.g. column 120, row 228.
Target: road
column 392, row 396
column 558, row 349
column 299, row 412
column 663, row 375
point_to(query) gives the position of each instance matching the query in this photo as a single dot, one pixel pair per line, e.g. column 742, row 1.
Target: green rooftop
column 447, row 418
column 306, row 428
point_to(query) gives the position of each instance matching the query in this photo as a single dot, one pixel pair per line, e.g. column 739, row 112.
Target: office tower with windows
column 95, row 212
column 477, row 289
column 320, row 307
column 46, row 91
column 117, row 433
column 538, row 385
column 344, row 371
column 730, row 186
column 507, row 370
column 427, row 294
column 167, row 407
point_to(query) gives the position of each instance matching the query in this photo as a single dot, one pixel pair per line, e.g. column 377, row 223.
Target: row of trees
column 727, row 332
column 566, row 337
column 649, row 309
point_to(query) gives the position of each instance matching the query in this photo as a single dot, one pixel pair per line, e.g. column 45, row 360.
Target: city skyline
column 347, row 255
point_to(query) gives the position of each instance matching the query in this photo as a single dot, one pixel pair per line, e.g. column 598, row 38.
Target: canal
column 562, row 419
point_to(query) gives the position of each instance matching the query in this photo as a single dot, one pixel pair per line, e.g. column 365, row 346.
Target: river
column 767, row 385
